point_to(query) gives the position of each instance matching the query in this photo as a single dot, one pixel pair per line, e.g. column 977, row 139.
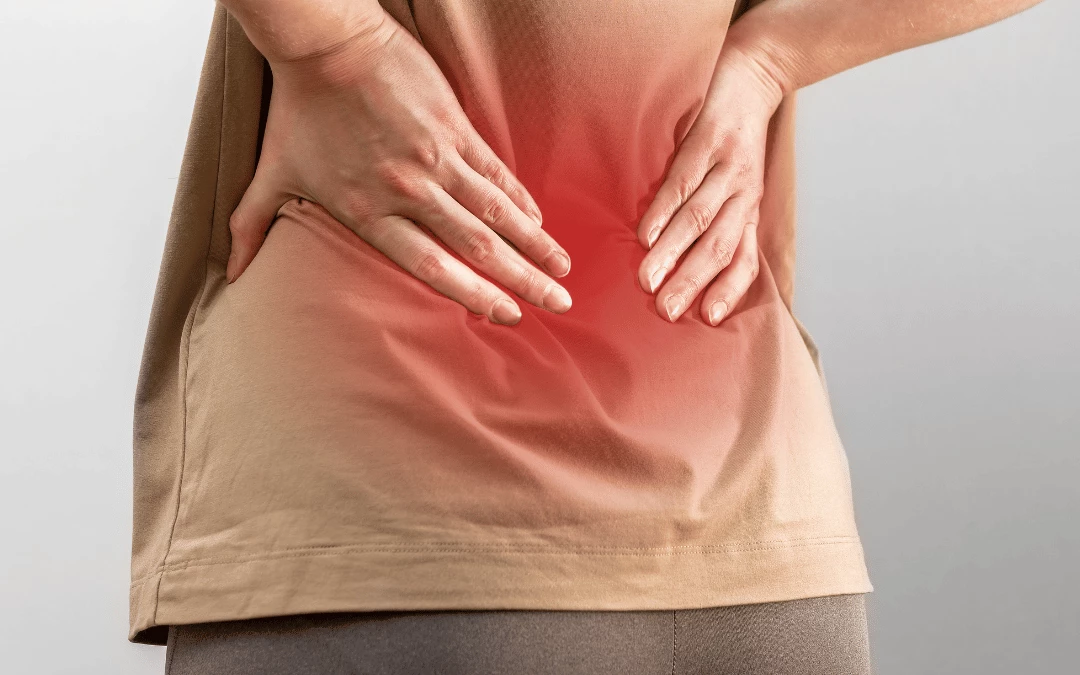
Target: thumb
column 249, row 223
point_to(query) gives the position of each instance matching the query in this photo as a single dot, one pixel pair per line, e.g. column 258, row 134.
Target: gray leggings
column 811, row 636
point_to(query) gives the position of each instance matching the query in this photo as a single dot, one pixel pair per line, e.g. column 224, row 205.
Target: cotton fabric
column 330, row 434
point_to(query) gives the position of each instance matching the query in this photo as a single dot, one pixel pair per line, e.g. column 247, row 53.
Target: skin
column 708, row 204
column 362, row 122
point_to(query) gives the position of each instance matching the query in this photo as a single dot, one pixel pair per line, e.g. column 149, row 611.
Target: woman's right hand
column 371, row 130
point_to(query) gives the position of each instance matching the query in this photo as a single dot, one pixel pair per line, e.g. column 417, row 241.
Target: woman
column 371, row 419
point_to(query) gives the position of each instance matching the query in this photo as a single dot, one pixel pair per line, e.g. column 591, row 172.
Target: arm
column 772, row 49
column 363, row 124
column 799, row 42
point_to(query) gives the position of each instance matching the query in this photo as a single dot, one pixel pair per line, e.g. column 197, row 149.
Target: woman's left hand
column 710, row 196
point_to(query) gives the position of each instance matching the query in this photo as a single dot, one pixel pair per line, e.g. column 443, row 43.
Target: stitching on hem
column 360, row 549
column 674, row 638
column 194, row 313
column 171, row 642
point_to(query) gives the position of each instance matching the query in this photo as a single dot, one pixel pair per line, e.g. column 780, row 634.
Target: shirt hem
column 429, row 577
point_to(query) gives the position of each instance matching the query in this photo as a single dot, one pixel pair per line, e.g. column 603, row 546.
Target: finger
column 479, row 155
column 418, row 254
column 732, row 284
column 482, row 247
column 692, row 162
column 249, row 222
column 495, row 209
column 710, row 254
column 692, row 220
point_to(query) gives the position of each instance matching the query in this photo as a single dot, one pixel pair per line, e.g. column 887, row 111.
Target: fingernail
column 558, row 263
column 652, row 236
column 673, row 305
column 556, row 299
column 229, row 268
column 535, row 214
column 717, row 312
column 505, row 312
column 656, row 279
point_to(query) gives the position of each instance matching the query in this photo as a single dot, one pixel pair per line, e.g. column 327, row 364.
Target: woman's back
column 339, row 436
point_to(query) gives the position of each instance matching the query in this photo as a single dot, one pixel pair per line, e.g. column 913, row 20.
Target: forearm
column 287, row 30
column 799, row 42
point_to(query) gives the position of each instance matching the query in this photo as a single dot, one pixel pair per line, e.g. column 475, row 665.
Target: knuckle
column 428, row 153
column 396, row 176
column 536, row 240
column 429, row 266
column 699, row 216
column 479, row 247
column 726, row 291
column 492, row 210
column 684, row 188
column 691, row 285
column 720, row 251
column 243, row 231
column 753, row 268
column 475, row 297
column 446, row 113
column 527, row 278
column 738, row 290
column 238, row 226
column 697, row 280
column 489, row 169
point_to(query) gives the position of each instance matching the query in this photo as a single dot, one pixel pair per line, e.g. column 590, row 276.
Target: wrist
column 753, row 48
column 287, row 31
column 748, row 66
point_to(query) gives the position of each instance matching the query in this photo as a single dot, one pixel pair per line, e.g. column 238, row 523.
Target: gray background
column 938, row 272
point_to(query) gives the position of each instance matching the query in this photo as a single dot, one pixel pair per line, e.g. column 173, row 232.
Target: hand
column 710, row 196
column 371, row 130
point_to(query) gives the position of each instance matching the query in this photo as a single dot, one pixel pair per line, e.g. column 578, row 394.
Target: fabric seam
column 674, row 639
column 361, row 549
column 194, row 314
column 170, row 654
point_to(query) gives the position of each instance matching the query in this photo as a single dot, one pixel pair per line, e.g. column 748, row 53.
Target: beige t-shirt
column 330, row 434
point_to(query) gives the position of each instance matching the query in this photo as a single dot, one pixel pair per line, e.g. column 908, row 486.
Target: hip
column 827, row 634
